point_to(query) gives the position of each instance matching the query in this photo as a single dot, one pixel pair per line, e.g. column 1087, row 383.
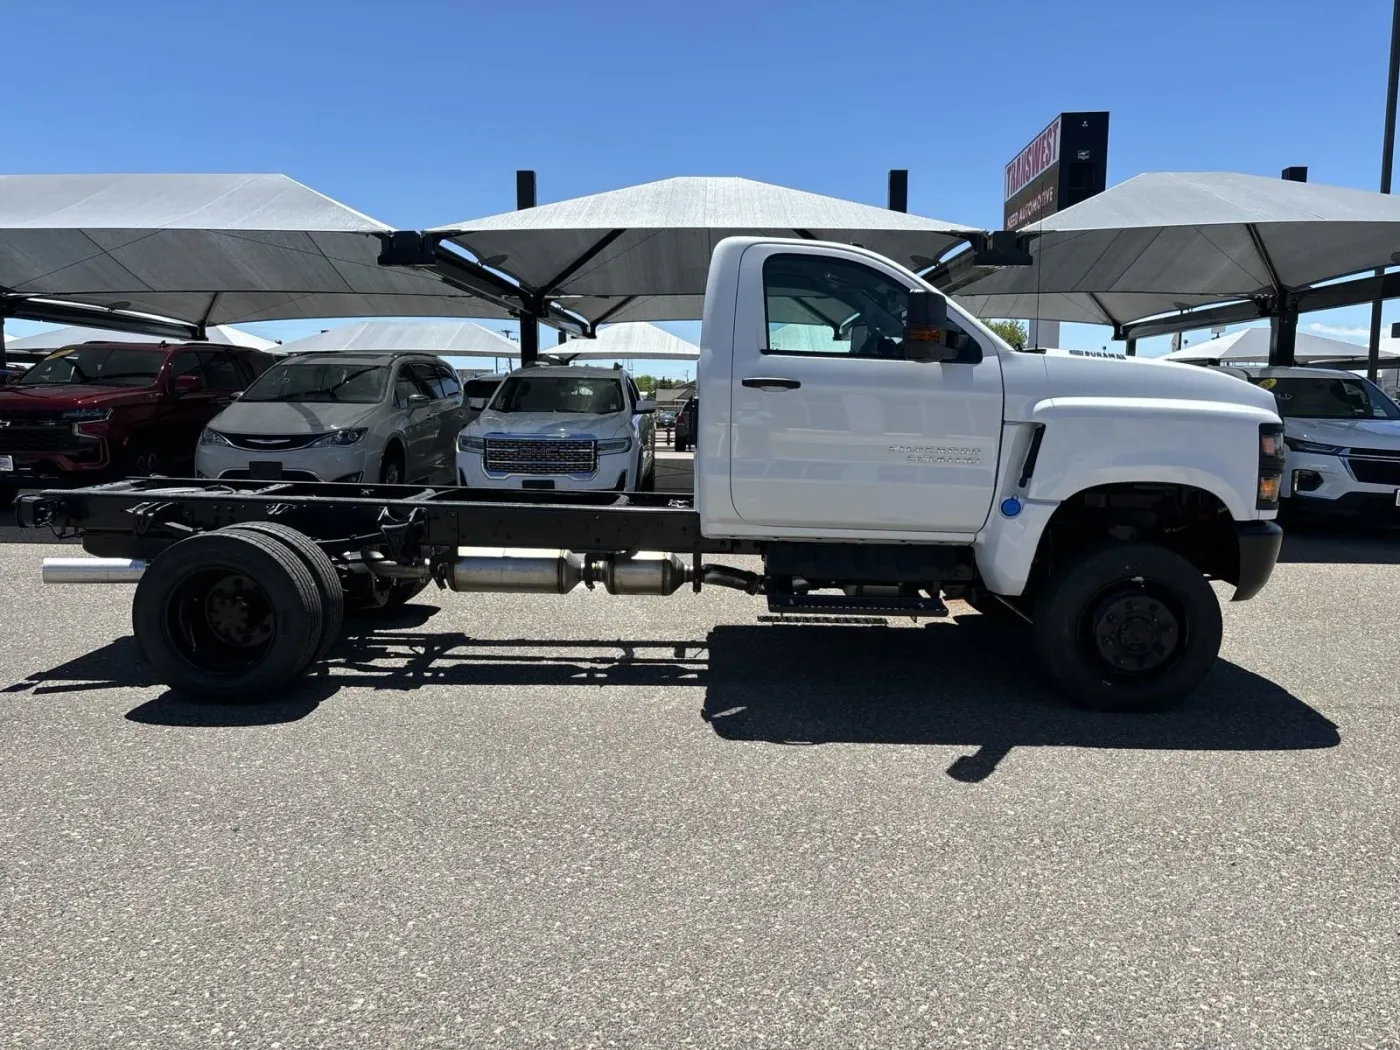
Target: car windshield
column 480, row 388
column 578, row 394
column 1328, row 397
column 96, row 366
column 316, row 381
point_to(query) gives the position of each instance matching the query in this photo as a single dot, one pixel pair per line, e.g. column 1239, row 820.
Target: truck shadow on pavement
column 975, row 685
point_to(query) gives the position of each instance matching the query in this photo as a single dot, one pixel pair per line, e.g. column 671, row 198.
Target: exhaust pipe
column 92, row 570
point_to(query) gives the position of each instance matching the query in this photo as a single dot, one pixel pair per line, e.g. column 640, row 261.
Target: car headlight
column 340, row 438
column 615, row 445
column 1315, row 447
column 87, row 415
column 213, row 437
column 470, row 443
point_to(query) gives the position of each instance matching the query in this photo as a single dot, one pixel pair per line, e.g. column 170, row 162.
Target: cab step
column 897, row 605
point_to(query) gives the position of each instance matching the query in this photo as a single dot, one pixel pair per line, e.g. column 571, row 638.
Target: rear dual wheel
column 236, row 614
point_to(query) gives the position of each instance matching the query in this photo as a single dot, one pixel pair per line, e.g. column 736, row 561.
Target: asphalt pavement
column 590, row 821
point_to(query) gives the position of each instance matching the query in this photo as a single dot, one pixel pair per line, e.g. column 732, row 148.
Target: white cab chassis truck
column 875, row 446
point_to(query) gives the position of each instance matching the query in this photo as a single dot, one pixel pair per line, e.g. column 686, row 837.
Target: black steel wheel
column 1127, row 627
column 322, row 569
column 227, row 615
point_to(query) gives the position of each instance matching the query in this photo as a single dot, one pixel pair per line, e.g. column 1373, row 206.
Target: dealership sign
column 1042, row 154
column 1063, row 165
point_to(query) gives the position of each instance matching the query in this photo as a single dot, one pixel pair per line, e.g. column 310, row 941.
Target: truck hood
column 61, row 397
column 1363, row 433
column 1069, row 375
column 288, row 418
column 551, row 424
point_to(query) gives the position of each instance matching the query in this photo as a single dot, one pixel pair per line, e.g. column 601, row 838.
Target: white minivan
column 562, row 427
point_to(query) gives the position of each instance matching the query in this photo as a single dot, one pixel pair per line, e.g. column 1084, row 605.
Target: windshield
column 96, row 366
column 1328, row 397
column 580, row 394
column 480, row 388
column 328, row 382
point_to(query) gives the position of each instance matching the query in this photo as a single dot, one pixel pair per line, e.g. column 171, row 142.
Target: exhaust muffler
column 526, row 571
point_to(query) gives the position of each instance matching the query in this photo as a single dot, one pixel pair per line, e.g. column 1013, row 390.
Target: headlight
column 88, row 415
column 470, row 443
column 339, row 438
column 213, row 437
column 1312, row 446
column 615, row 445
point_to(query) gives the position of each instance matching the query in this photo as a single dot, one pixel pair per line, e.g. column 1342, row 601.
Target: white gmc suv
column 561, row 427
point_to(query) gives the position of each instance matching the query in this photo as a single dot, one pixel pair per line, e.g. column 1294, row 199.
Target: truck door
column 831, row 426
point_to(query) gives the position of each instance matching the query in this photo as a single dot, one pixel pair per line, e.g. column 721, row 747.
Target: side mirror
column 646, row 405
column 418, row 400
column 188, row 384
column 476, row 404
column 927, row 335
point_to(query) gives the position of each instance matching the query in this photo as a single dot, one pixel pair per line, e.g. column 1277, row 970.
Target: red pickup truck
column 98, row 411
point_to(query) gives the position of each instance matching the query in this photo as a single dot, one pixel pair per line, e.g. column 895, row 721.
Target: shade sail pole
column 529, row 322
column 1387, row 162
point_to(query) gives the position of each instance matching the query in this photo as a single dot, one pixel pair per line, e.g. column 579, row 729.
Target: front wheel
column 1127, row 627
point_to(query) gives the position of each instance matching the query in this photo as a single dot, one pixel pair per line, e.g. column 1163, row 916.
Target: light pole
column 1387, row 162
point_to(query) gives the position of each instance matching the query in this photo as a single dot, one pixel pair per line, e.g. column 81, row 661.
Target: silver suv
column 334, row 416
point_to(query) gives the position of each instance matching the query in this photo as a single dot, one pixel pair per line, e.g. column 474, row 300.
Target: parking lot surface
column 587, row 821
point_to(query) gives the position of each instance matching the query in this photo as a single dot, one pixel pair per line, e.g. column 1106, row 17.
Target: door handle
column 771, row 383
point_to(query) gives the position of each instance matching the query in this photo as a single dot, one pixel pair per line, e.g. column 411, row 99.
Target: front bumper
column 1335, row 490
column 1259, row 543
column 350, row 463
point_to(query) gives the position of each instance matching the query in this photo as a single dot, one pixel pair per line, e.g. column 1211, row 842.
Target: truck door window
column 821, row 305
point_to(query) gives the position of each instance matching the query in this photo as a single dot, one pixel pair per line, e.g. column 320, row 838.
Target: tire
column 1127, row 627
column 328, row 585
column 262, row 634
column 8, row 494
column 374, row 596
column 647, row 481
column 142, row 460
column 391, row 466
column 403, row 592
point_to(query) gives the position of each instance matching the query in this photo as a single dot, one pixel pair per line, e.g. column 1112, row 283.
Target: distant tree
column 646, row 384
column 665, row 383
column 1014, row 332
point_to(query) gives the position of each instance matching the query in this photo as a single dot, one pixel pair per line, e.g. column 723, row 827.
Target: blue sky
column 419, row 112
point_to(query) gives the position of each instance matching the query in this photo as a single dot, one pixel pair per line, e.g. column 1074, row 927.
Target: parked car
column 686, row 419
column 350, row 417
column 98, row 411
column 562, row 427
column 1343, row 438
column 478, row 391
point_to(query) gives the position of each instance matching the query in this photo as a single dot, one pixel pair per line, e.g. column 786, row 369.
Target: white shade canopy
column 205, row 249
column 630, row 341
column 1252, row 345
column 447, row 338
column 56, row 338
column 1168, row 241
column 643, row 252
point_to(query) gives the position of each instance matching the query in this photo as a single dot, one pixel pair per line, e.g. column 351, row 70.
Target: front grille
column 24, row 417
column 1375, row 453
column 540, row 456
column 1375, row 471
column 39, row 437
column 269, row 442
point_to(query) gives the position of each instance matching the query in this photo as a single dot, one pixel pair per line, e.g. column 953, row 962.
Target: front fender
column 1093, row 441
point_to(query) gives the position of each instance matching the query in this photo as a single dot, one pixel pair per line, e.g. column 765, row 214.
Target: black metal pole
column 1387, row 162
column 2, row 346
column 529, row 323
column 899, row 187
